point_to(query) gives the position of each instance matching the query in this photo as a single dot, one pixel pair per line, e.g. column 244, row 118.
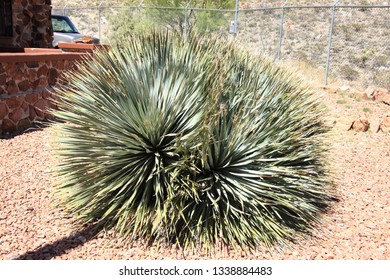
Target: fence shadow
column 61, row 246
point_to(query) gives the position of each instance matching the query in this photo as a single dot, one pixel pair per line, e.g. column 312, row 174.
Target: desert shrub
column 349, row 73
column 127, row 21
column 191, row 142
column 382, row 78
column 380, row 61
column 181, row 21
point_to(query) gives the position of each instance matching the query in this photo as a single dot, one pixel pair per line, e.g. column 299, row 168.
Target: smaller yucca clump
column 191, row 142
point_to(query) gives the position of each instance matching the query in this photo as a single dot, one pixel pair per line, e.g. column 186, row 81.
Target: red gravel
column 358, row 227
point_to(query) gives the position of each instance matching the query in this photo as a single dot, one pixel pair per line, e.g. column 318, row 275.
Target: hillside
column 243, row 3
column 360, row 47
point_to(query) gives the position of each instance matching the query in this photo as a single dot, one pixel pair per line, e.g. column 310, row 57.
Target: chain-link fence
column 339, row 41
column 361, row 45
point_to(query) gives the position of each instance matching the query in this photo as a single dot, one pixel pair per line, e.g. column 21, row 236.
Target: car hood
column 68, row 37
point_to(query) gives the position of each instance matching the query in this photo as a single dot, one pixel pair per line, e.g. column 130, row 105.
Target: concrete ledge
column 80, row 47
column 35, row 54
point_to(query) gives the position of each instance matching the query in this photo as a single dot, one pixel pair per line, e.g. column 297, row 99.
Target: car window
column 61, row 25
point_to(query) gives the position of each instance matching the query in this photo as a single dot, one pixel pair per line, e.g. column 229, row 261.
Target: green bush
column 381, row 78
column 182, row 20
column 127, row 21
column 191, row 142
column 349, row 73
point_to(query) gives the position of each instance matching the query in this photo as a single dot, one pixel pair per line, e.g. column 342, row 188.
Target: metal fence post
column 141, row 3
column 236, row 18
column 186, row 19
column 330, row 41
column 63, row 9
column 99, row 18
column 281, row 29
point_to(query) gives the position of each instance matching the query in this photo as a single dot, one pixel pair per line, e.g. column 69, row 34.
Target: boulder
column 380, row 94
column 384, row 125
column 369, row 91
column 360, row 124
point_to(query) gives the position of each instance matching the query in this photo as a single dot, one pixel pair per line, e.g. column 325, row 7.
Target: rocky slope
column 360, row 47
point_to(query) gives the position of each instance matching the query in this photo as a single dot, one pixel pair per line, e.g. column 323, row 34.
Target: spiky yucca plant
column 191, row 142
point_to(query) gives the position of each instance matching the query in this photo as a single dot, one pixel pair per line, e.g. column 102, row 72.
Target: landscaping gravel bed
column 358, row 226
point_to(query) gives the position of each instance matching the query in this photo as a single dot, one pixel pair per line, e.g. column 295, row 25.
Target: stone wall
column 31, row 21
column 26, row 87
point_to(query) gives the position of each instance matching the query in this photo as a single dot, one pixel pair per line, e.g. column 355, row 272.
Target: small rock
column 329, row 256
column 345, row 88
column 361, row 95
column 361, row 124
column 131, row 253
column 333, row 88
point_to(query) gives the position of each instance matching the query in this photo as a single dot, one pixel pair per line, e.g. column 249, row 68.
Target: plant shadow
column 61, row 246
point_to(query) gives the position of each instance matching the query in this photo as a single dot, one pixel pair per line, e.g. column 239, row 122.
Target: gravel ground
column 358, row 227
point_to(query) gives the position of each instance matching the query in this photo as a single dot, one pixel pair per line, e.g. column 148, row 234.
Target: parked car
column 65, row 31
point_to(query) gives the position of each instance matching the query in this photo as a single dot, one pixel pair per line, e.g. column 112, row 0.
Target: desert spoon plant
column 191, row 142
